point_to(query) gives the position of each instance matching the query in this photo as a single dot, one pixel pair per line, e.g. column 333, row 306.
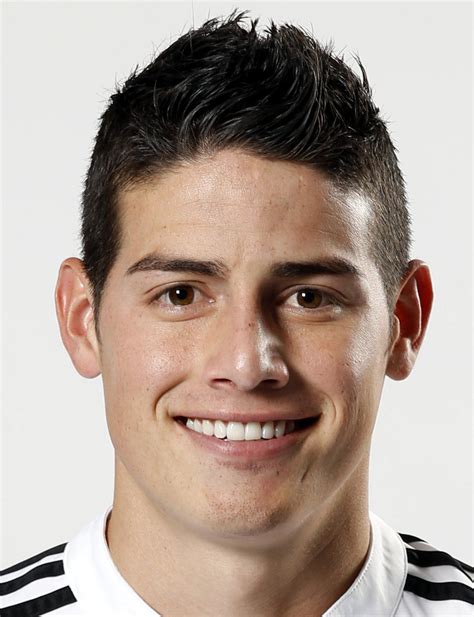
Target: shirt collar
column 100, row 588
column 94, row 578
column 378, row 588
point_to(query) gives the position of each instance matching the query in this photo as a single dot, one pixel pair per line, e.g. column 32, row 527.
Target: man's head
column 280, row 95
column 245, row 278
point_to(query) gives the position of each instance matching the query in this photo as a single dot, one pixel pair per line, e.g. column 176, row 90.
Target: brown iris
column 309, row 298
column 182, row 295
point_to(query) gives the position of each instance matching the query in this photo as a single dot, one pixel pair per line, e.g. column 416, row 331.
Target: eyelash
column 331, row 300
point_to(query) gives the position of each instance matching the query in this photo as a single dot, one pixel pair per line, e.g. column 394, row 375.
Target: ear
column 410, row 319
column 75, row 314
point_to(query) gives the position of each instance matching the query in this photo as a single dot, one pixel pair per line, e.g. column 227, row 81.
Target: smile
column 245, row 431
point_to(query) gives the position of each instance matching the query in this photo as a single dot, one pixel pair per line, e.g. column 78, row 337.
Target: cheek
column 340, row 353
column 139, row 367
column 344, row 367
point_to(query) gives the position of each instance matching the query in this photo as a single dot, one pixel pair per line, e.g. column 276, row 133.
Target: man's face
column 248, row 341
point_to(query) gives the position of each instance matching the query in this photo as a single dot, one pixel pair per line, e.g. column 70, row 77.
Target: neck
column 296, row 573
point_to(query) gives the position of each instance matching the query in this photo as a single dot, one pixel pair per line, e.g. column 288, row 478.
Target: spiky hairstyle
column 279, row 94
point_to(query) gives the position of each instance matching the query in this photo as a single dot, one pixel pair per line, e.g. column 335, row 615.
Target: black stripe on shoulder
column 427, row 559
column 41, row 605
column 406, row 537
column 439, row 591
column 27, row 562
column 467, row 567
column 44, row 570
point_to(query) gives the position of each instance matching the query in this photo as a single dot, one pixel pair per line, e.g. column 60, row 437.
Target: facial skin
column 245, row 344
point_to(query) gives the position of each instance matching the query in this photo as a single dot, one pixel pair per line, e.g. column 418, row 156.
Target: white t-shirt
column 402, row 576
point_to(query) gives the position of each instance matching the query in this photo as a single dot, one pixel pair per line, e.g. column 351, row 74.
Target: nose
column 244, row 354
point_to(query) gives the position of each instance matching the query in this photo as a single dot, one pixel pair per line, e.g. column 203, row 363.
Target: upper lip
column 257, row 416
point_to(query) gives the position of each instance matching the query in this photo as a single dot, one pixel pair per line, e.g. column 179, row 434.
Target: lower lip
column 257, row 450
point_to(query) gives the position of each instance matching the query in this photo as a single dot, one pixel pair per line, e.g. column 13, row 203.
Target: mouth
column 234, row 431
column 242, row 444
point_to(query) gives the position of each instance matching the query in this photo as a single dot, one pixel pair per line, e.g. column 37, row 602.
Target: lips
column 240, row 453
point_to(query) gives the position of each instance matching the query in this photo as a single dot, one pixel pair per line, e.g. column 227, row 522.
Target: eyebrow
column 285, row 269
column 164, row 264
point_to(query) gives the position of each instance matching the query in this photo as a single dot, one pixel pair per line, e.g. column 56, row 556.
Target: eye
column 179, row 295
column 312, row 298
column 309, row 298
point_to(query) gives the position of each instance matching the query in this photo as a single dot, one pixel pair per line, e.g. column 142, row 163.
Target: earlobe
column 410, row 320
column 76, row 317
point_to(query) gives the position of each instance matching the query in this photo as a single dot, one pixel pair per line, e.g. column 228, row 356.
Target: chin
column 239, row 522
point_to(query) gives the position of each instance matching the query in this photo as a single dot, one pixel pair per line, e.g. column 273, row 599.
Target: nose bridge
column 253, row 340
column 244, row 351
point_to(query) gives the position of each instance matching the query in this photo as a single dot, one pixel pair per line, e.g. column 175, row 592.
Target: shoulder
column 36, row 586
column 436, row 582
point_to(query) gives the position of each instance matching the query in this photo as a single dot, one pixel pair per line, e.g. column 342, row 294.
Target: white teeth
column 208, row 427
column 235, row 431
column 253, row 431
column 268, row 431
column 220, row 429
column 280, row 428
column 239, row 431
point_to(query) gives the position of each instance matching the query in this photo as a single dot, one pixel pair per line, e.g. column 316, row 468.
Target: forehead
column 240, row 205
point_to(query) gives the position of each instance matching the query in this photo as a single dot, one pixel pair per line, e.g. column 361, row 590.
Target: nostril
column 274, row 383
column 226, row 384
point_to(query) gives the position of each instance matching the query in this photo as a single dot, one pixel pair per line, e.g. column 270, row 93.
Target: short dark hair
column 279, row 94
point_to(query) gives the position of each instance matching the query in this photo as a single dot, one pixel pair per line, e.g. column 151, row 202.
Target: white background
column 60, row 65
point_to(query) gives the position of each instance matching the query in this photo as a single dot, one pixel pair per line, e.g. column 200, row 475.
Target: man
column 244, row 290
